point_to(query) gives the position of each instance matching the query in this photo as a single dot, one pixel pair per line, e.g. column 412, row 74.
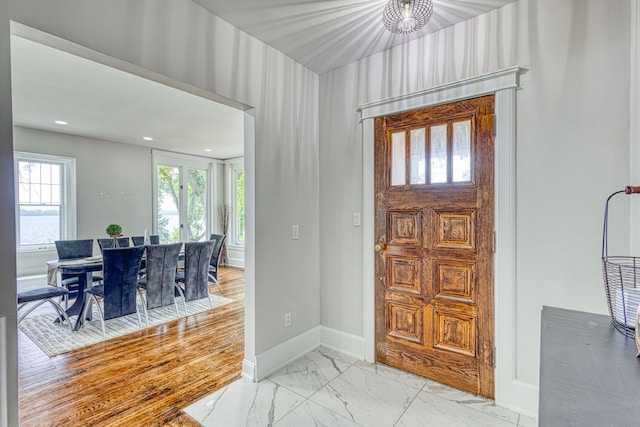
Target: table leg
column 78, row 305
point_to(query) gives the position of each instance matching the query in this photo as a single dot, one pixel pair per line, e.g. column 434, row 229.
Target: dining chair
column 215, row 258
column 154, row 239
column 137, row 240
column 158, row 280
column 72, row 249
column 192, row 283
column 120, row 267
column 40, row 296
column 123, row 242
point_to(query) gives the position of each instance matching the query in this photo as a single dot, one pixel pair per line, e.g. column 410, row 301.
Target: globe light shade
column 406, row 16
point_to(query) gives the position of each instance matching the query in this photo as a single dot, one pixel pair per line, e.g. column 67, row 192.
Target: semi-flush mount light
column 60, row 122
column 406, row 16
column 147, row 138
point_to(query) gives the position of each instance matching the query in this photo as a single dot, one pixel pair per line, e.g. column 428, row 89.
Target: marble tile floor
column 326, row 388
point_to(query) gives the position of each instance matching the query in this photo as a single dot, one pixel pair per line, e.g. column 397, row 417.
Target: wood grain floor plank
column 145, row 378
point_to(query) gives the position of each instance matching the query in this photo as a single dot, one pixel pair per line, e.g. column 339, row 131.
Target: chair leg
column 214, row 280
column 175, row 303
column 210, row 302
column 33, row 307
column 139, row 318
column 100, row 313
column 184, row 300
column 144, row 306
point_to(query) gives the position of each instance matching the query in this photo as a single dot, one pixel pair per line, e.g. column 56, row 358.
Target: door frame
column 509, row 391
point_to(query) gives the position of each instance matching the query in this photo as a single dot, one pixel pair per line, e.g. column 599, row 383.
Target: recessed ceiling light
column 148, row 138
column 208, row 150
column 60, row 122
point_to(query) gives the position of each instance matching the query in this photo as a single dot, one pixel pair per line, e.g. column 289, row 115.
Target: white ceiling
column 327, row 34
column 106, row 103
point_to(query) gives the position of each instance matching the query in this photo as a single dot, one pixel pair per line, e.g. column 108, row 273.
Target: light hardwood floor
column 142, row 379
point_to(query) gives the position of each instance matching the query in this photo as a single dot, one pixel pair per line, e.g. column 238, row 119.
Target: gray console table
column 589, row 375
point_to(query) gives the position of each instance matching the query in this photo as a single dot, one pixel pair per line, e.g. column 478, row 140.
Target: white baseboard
column 521, row 397
column 281, row 355
column 249, row 369
column 235, row 262
column 349, row 344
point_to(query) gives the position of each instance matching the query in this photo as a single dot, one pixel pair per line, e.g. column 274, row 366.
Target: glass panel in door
column 462, row 151
column 418, row 157
column 438, row 154
column 196, row 205
column 398, row 159
column 169, row 223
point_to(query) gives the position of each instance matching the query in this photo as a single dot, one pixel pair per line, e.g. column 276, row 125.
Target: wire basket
column 621, row 280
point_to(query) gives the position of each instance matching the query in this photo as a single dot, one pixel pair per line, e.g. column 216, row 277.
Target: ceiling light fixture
column 208, row 150
column 60, row 122
column 147, row 138
column 406, row 16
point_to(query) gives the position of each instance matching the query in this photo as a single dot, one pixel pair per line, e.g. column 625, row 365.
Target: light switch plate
column 295, row 232
column 356, row 219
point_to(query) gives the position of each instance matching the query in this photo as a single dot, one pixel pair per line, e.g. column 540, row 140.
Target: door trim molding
column 509, row 391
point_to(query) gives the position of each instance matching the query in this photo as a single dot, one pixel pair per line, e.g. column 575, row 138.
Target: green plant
column 114, row 230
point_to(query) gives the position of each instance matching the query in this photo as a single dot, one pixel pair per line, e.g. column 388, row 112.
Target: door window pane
column 169, row 204
column 418, row 157
column 197, row 205
column 438, row 154
column 398, row 159
column 462, row 151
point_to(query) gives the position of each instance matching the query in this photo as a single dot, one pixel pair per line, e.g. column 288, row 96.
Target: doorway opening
column 138, row 164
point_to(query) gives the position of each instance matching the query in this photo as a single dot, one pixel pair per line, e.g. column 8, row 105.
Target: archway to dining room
column 164, row 367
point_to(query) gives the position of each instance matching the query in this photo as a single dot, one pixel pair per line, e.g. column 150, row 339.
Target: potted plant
column 114, row 230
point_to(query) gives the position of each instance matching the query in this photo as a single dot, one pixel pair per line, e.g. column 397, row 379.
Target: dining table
column 83, row 269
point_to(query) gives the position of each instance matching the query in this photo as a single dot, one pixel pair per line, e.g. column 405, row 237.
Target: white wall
column 106, row 192
column 181, row 40
column 572, row 151
column 8, row 327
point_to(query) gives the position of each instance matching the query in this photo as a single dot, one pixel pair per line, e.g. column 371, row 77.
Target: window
column 45, row 193
column 238, row 216
column 235, row 201
column 181, row 216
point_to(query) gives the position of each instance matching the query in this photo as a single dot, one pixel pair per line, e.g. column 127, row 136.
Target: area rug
column 54, row 339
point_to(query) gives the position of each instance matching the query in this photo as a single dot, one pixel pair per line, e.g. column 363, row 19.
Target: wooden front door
column 435, row 233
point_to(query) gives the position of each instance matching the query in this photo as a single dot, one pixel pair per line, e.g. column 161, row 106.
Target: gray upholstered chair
column 154, row 239
column 138, row 240
column 193, row 282
column 215, row 258
column 74, row 249
column 122, row 242
column 158, row 280
column 120, row 267
column 40, row 296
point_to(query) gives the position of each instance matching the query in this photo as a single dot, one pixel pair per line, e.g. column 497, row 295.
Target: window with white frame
column 236, row 201
column 238, row 217
column 45, row 200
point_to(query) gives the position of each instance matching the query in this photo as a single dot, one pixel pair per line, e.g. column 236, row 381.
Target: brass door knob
column 381, row 245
